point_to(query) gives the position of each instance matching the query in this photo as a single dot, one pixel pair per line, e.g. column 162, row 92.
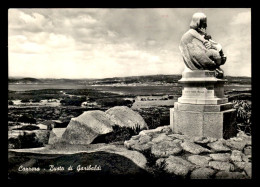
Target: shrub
column 73, row 101
column 25, row 100
column 36, row 100
column 111, row 102
column 151, row 158
column 24, row 141
column 28, row 127
column 118, row 134
column 26, row 118
column 243, row 119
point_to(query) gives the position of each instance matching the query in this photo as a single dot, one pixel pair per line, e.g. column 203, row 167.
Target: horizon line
column 22, row 77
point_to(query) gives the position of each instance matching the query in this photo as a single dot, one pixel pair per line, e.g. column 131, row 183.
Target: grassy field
column 123, row 90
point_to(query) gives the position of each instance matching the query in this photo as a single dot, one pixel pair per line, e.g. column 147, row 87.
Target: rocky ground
column 164, row 155
column 156, row 153
column 196, row 158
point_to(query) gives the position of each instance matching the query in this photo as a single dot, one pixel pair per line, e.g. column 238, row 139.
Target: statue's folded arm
column 199, row 55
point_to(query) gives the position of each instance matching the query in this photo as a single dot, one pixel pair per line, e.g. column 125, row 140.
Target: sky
column 103, row 43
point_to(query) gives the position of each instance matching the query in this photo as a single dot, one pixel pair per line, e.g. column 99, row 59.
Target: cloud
column 90, row 43
column 34, row 22
column 242, row 18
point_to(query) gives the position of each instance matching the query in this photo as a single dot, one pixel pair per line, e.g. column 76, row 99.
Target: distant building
column 153, row 101
column 153, row 98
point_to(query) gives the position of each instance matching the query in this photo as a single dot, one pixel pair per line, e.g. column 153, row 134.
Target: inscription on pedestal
column 197, row 92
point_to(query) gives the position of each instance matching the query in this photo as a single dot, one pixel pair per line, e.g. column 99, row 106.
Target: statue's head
column 198, row 21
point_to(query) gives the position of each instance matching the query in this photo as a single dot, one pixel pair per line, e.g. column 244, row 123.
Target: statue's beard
column 202, row 31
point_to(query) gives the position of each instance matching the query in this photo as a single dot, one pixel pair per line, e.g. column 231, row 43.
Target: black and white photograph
column 153, row 94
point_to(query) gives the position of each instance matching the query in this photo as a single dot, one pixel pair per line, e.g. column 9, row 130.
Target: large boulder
column 126, row 117
column 55, row 135
column 42, row 136
column 113, row 160
column 86, row 127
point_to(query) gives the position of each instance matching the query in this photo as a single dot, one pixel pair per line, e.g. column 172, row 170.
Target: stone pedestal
column 203, row 109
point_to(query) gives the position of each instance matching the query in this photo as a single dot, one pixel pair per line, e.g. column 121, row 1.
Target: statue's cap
column 195, row 21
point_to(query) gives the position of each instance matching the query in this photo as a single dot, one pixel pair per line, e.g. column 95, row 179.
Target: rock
column 246, row 158
column 136, row 137
column 161, row 137
column 219, row 165
column 230, row 175
column 135, row 156
column 247, row 150
column 241, row 165
column 159, row 162
column 125, row 117
column 218, row 146
column 248, row 170
column 247, row 139
column 166, row 148
column 178, row 166
column 225, row 157
column 204, row 140
column 166, row 129
column 42, row 135
column 49, row 123
column 152, row 132
column 113, row 159
column 139, row 143
column 42, row 126
column 238, row 145
column 144, row 139
column 55, row 135
column 180, row 136
column 128, row 143
column 141, row 147
column 86, row 127
column 199, row 160
column 236, row 156
column 202, row 173
column 194, row 148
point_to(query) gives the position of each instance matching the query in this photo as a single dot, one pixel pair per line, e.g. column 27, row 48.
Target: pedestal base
column 217, row 121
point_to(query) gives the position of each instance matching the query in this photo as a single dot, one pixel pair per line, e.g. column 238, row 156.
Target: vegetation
column 26, row 140
column 238, row 80
column 111, row 102
column 25, row 100
column 243, row 108
column 28, row 127
column 36, row 100
column 155, row 116
column 73, row 101
column 35, row 95
column 27, row 118
column 118, row 134
column 10, row 102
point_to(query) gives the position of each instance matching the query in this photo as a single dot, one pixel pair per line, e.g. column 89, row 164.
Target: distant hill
column 24, row 80
column 120, row 80
column 140, row 79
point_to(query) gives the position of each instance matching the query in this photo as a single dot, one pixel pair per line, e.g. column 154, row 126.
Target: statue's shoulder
column 187, row 37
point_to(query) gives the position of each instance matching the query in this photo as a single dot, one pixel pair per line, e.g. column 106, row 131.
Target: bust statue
column 198, row 50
